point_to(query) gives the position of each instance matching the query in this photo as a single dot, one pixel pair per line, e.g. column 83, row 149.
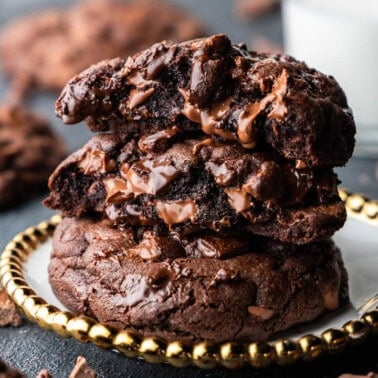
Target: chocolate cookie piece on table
column 8, row 311
column 102, row 272
column 225, row 91
column 7, row 372
column 82, row 369
column 29, row 152
column 196, row 184
column 86, row 33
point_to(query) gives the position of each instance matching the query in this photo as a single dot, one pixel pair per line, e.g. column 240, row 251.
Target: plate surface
column 23, row 272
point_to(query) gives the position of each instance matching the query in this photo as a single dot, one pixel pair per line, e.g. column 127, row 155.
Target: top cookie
column 86, row 33
column 208, row 85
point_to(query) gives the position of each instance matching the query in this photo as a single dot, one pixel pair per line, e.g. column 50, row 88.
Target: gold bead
column 205, row 355
column 261, row 354
column 102, row 335
column 9, row 276
column 21, row 293
column 10, row 259
column 178, row 354
column 371, row 318
column 232, row 355
column 13, row 252
column 11, row 266
column 355, row 202
column 31, row 305
column 45, row 316
column 45, row 229
column 371, row 210
column 55, row 220
column 12, row 285
column 20, row 244
column 127, row 343
column 152, row 350
column 60, row 321
column 336, row 339
column 19, row 281
column 312, row 347
column 287, row 351
column 29, row 238
column 343, row 195
column 357, row 330
column 79, row 327
column 40, row 232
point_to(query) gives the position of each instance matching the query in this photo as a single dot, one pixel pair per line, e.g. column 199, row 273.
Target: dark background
column 31, row 349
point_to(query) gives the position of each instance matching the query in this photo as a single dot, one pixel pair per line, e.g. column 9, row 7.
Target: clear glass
column 340, row 38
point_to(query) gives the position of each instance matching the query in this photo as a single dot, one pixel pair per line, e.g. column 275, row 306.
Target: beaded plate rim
column 179, row 354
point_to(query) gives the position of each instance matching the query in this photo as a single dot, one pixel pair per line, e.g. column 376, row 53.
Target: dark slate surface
column 30, row 349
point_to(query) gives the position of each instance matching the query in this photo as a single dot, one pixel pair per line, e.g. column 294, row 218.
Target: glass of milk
column 340, row 38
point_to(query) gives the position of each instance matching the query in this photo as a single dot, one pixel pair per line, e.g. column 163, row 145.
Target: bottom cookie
column 104, row 272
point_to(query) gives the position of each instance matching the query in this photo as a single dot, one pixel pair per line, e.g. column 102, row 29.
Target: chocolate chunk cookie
column 87, row 32
column 163, row 288
column 196, row 184
column 29, row 152
column 225, row 91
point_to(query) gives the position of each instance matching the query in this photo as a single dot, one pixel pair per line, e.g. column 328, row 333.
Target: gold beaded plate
column 23, row 273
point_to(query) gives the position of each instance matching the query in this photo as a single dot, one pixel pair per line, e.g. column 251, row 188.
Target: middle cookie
column 189, row 185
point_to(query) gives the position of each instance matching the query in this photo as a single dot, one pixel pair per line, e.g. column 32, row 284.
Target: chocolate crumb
column 7, row 372
column 44, row 374
column 8, row 311
column 82, row 370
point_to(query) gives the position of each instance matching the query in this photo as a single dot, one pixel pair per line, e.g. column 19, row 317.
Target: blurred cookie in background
column 265, row 45
column 29, row 152
column 45, row 49
column 246, row 10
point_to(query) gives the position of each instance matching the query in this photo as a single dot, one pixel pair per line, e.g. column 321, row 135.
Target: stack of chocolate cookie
column 203, row 207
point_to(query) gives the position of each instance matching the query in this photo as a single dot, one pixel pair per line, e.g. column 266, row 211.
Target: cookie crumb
column 8, row 311
column 7, row 372
column 44, row 374
column 82, row 370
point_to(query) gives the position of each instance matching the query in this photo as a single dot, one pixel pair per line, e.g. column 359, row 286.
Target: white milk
column 340, row 38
